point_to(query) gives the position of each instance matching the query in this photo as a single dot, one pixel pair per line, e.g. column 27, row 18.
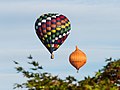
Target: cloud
column 31, row 7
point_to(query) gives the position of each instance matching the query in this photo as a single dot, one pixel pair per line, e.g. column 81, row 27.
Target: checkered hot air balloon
column 52, row 29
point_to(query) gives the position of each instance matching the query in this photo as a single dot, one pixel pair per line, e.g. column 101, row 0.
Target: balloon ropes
column 52, row 29
column 77, row 58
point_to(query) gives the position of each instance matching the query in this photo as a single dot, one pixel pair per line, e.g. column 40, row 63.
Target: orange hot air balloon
column 77, row 58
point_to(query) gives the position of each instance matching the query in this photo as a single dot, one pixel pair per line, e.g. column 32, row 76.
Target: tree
column 108, row 78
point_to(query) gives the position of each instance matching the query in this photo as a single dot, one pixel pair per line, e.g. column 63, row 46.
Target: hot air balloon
column 52, row 29
column 77, row 58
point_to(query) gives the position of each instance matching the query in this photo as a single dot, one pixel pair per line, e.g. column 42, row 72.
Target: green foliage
column 108, row 78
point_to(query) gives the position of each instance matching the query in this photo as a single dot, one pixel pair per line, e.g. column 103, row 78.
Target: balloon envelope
column 52, row 29
column 77, row 58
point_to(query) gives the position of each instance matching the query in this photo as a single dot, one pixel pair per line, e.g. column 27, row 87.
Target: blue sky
column 95, row 29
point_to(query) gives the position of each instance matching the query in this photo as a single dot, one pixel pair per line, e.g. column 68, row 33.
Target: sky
column 95, row 30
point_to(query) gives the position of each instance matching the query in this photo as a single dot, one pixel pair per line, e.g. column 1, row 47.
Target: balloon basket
column 77, row 71
column 52, row 56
